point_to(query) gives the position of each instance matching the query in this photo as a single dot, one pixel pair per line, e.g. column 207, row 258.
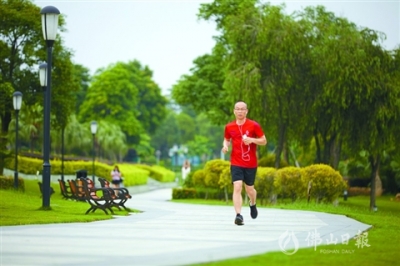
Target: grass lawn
column 21, row 208
column 383, row 237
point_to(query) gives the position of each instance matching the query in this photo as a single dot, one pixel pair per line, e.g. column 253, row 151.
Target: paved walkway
column 169, row 233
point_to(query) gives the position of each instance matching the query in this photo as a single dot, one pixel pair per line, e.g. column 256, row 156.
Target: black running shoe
column 253, row 211
column 239, row 220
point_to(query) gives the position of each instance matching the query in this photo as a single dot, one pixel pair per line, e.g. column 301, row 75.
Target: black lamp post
column 175, row 150
column 62, row 153
column 93, row 128
column 158, row 154
column 49, row 26
column 43, row 84
column 17, row 101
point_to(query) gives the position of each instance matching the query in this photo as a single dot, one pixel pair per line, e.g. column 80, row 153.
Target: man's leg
column 237, row 196
column 252, row 193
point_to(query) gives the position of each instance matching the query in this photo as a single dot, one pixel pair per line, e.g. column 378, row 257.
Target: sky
column 167, row 36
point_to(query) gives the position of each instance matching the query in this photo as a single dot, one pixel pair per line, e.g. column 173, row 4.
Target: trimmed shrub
column 269, row 161
column 184, row 193
column 289, row 183
column 158, row 173
column 7, row 182
column 357, row 191
column 327, row 184
column 199, row 180
column 132, row 174
column 264, row 184
column 213, row 171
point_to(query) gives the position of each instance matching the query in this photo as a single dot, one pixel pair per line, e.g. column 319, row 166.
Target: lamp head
column 43, row 74
column 50, row 22
column 93, row 127
column 17, row 100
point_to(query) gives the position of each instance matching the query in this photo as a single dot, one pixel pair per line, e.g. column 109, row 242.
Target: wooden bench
column 41, row 189
column 65, row 190
column 77, row 190
column 98, row 198
column 120, row 195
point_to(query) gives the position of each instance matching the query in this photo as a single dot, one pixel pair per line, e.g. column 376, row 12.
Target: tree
column 83, row 77
column 151, row 104
column 124, row 94
column 113, row 97
column 203, row 89
column 21, row 49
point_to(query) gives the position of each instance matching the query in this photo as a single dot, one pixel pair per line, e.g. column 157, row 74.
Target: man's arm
column 258, row 141
column 225, row 145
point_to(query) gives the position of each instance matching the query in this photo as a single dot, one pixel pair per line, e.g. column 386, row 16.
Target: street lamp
column 49, row 27
column 175, row 150
column 43, row 76
column 17, row 101
column 93, row 128
column 62, row 152
column 158, row 154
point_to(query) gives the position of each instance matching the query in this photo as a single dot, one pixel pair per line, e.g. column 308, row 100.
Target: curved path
column 169, row 233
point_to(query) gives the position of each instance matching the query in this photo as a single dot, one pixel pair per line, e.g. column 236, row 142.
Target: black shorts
column 116, row 182
column 247, row 175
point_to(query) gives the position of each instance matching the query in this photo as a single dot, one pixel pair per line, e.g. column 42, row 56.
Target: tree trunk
column 318, row 147
column 286, row 152
column 375, row 162
column 336, row 147
column 279, row 148
column 378, row 185
column 4, row 153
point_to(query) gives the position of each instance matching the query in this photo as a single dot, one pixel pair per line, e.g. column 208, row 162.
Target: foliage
column 183, row 193
column 289, row 183
column 21, row 50
column 199, row 178
column 213, row 172
column 266, row 190
column 124, row 94
column 112, row 97
column 158, row 173
column 225, row 180
column 133, row 175
column 269, row 161
column 8, row 183
column 327, row 184
column 358, row 191
column 206, row 84
column 200, row 145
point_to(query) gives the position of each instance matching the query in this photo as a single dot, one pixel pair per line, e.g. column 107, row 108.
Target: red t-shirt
column 243, row 155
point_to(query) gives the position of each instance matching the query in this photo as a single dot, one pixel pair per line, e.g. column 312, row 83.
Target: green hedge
column 7, row 182
column 133, row 175
column 184, row 193
column 272, row 184
column 158, row 173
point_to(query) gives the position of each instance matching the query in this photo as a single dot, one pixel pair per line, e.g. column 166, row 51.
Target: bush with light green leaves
column 289, row 183
column 264, row 184
column 213, row 171
column 327, row 183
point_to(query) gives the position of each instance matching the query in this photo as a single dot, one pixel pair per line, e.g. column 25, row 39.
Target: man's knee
column 250, row 189
column 237, row 186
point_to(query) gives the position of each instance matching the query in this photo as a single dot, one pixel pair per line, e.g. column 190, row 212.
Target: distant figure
column 116, row 177
column 185, row 169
